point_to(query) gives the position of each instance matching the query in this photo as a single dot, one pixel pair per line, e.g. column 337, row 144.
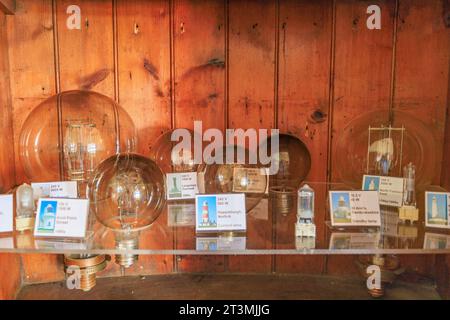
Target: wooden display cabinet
column 305, row 67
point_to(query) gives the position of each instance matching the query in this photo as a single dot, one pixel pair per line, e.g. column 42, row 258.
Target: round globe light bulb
column 70, row 133
column 127, row 194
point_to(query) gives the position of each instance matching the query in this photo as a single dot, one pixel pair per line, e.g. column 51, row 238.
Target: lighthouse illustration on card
column 207, row 211
column 47, row 216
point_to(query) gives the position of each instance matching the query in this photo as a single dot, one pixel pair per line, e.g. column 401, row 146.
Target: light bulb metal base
column 410, row 213
column 127, row 260
column 283, row 199
column 23, row 224
column 89, row 266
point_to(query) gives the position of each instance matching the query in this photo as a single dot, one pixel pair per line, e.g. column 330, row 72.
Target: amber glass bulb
column 69, row 134
column 294, row 161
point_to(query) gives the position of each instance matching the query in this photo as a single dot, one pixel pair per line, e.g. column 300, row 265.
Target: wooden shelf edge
column 8, row 6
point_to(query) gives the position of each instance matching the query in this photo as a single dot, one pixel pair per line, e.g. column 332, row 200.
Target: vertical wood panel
column 86, row 56
column 30, row 37
column 252, row 34
column 11, row 271
column 144, row 91
column 7, row 165
column 144, row 67
column 9, row 263
column 363, row 63
column 421, row 81
column 422, row 67
column 362, row 77
column 199, row 55
column 445, row 179
column 199, row 37
column 304, row 51
column 32, row 79
column 252, row 60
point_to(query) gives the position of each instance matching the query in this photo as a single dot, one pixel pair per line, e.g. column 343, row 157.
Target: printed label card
column 6, row 213
column 437, row 209
column 61, row 218
column 58, row 189
column 220, row 212
column 354, row 208
column 390, row 189
column 250, row 180
column 181, row 185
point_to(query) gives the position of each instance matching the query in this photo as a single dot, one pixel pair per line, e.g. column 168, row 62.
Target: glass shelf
column 268, row 233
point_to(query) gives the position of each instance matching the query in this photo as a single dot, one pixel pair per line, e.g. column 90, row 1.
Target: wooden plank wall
column 10, row 267
column 306, row 67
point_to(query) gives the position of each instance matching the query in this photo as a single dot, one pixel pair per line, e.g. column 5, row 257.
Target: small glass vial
column 305, row 226
column 409, row 175
column 25, row 208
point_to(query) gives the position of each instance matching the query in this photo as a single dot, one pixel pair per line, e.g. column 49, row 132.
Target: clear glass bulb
column 168, row 158
column 25, row 208
column 409, row 175
column 294, row 161
column 127, row 194
column 69, row 134
column 234, row 177
column 305, row 205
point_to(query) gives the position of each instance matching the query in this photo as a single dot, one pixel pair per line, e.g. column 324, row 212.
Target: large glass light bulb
column 67, row 135
column 171, row 159
column 234, row 175
column 294, row 161
column 127, row 194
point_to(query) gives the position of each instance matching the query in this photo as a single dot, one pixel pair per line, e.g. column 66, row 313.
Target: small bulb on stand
column 409, row 174
column 408, row 210
column 305, row 226
column 25, row 208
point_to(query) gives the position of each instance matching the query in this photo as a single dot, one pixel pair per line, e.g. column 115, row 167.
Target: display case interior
column 350, row 99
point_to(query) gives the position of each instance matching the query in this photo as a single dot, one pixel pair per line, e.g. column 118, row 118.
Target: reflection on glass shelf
column 221, row 243
column 354, row 240
column 268, row 233
column 435, row 241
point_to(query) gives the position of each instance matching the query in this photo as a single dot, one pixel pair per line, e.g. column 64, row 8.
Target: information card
column 437, row 209
column 250, row 180
column 61, row 218
column 57, row 189
column 220, row 212
column 355, row 208
column 390, row 189
column 181, row 185
column 6, row 213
